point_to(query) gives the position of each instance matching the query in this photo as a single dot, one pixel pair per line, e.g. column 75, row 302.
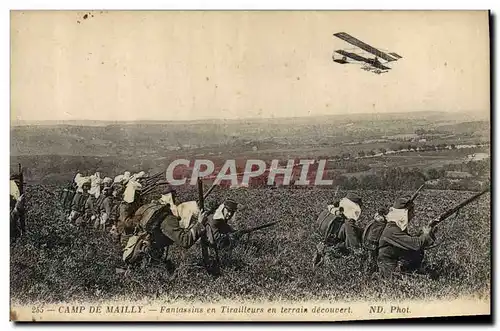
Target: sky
column 141, row 65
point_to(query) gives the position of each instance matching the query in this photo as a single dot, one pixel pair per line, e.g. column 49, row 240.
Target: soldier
column 108, row 210
column 165, row 231
column 78, row 202
column 338, row 230
column 100, row 208
column 218, row 230
column 106, row 182
column 398, row 251
column 349, row 233
column 88, row 211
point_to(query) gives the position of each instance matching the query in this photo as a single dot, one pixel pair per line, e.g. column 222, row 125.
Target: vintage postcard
column 249, row 165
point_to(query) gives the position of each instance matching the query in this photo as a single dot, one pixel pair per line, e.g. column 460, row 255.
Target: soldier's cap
column 402, row 203
column 231, row 205
column 354, row 198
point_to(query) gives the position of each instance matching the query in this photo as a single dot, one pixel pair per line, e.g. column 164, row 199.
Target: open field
column 56, row 262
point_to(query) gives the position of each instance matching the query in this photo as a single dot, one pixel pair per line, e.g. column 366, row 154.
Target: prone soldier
column 350, row 233
column 337, row 228
column 398, row 251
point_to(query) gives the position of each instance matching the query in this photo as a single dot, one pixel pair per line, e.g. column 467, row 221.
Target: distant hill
column 158, row 138
column 427, row 115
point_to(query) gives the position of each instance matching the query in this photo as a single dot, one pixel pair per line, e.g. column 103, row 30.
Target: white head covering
column 95, row 185
column 169, row 199
column 137, row 175
column 186, row 211
column 80, row 180
column 129, row 194
column 218, row 212
column 118, row 179
column 398, row 216
column 14, row 190
column 351, row 209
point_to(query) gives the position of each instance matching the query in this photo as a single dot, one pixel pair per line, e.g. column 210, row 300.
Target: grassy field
column 56, row 262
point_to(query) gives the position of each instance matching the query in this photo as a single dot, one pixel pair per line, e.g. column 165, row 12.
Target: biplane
column 378, row 64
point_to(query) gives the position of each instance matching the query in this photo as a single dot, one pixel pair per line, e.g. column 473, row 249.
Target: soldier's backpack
column 329, row 226
column 372, row 233
column 137, row 248
column 151, row 215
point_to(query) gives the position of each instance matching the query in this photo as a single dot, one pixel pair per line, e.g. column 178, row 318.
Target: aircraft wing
column 360, row 58
column 356, row 42
column 353, row 56
column 379, row 65
column 395, row 55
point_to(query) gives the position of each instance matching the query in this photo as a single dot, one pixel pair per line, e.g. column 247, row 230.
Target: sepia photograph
column 178, row 166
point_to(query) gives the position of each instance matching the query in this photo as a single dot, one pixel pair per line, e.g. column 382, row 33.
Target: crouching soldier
column 78, row 203
column 329, row 223
column 103, row 206
column 219, row 232
column 108, row 209
column 160, row 231
column 350, row 234
column 338, row 229
column 398, row 251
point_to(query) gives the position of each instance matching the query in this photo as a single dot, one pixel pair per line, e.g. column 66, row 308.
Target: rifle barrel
column 201, row 198
column 451, row 211
column 245, row 231
column 209, row 191
column 414, row 196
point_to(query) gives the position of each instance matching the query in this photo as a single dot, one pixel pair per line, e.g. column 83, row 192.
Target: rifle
column 151, row 180
column 455, row 209
column 209, row 191
column 204, row 240
column 148, row 189
column 415, row 195
column 21, row 179
column 238, row 234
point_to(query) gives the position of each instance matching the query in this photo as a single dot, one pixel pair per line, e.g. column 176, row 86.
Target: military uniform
column 108, row 211
column 78, row 203
column 174, row 233
column 88, row 211
column 98, row 206
column 169, row 232
column 397, row 249
column 349, row 234
column 218, row 230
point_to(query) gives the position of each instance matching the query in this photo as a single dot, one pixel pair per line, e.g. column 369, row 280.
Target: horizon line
column 62, row 122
